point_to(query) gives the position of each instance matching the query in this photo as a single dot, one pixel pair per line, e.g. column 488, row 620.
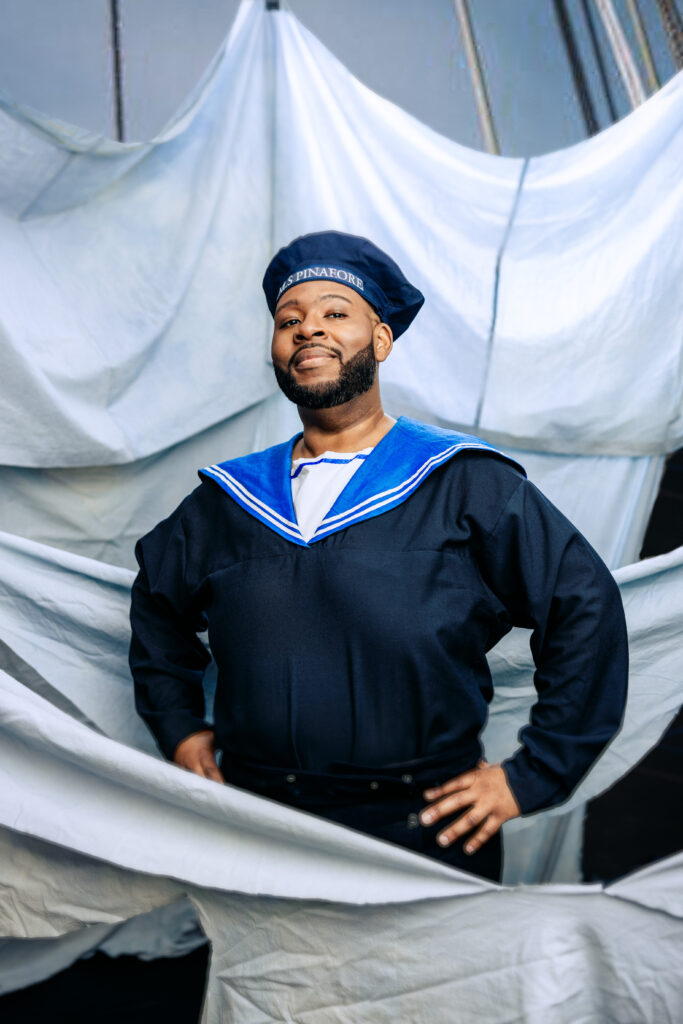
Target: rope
column 673, row 26
column 597, row 54
column 628, row 70
column 115, row 21
column 643, row 44
column 576, row 66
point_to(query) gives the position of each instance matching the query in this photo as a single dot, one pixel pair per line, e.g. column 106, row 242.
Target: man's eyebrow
column 294, row 302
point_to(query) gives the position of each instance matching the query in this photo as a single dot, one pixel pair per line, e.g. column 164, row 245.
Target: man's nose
column 308, row 330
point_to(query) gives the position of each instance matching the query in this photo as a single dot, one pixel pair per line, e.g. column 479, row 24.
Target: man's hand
column 485, row 793
column 197, row 754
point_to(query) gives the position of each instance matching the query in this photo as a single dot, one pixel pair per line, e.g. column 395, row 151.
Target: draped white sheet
column 133, row 269
column 65, row 621
column 393, row 929
column 133, row 341
column 131, row 315
column 546, row 955
column 133, row 330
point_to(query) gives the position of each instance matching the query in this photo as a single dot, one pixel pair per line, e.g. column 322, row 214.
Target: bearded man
column 352, row 581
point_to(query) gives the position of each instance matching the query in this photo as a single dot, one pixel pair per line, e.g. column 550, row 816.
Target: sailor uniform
column 361, row 652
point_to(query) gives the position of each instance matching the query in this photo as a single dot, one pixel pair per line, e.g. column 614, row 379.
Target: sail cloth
column 553, row 314
column 65, row 635
column 132, row 322
column 586, row 241
column 557, row 953
column 306, row 917
column 131, row 273
column 133, row 339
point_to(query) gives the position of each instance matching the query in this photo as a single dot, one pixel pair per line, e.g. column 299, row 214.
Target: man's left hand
column 486, row 795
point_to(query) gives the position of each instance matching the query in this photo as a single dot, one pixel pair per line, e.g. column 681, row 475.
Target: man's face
column 323, row 346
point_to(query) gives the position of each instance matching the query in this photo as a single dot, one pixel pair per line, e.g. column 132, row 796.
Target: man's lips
column 314, row 355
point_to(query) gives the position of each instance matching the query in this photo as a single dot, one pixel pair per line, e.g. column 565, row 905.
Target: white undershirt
column 318, row 482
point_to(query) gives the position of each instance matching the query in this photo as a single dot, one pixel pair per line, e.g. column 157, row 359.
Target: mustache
column 312, row 344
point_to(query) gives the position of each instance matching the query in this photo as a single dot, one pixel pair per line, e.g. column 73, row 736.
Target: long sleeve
column 551, row 580
column 167, row 659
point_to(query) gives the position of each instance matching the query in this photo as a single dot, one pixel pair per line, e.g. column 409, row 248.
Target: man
column 352, row 581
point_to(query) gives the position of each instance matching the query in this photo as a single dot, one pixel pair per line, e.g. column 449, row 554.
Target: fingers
column 463, row 825
column 448, row 805
column 460, row 782
column 196, row 754
column 209, row 769
column 486, row 798
column 203, row 765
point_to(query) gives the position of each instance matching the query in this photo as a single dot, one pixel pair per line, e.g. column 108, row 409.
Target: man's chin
column 353, row 378
column 325, row 395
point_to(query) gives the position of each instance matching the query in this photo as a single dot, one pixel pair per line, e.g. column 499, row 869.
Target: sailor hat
column 352, row 261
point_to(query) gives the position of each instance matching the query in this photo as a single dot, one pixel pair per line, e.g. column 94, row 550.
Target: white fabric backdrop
column 66, row 618
column 559, row 954
column 133, row 339
column 131, row 317
column 136, row 833
column 131, row 311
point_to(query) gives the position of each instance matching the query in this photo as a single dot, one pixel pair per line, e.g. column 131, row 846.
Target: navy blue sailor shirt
column 367, row 645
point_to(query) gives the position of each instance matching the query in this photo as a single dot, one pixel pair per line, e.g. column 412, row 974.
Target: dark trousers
column 383, row 803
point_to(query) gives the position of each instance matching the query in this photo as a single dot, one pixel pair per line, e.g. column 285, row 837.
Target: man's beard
column 356, row 376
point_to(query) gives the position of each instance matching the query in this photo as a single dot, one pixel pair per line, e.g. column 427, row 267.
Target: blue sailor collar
column 260, row 483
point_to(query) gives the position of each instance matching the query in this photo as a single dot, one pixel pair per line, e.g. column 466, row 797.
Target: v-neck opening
column 361, row 469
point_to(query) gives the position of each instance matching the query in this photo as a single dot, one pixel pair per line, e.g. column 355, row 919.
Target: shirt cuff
column 175, row 727
column 534, row 787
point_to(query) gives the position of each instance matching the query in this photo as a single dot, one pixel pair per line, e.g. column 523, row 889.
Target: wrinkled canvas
column 134, row 345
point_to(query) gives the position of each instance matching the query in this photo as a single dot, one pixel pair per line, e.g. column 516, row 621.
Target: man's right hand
column 197, row 754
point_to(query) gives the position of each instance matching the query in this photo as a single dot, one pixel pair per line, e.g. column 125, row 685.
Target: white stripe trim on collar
column 255, row 503
column 390, row 494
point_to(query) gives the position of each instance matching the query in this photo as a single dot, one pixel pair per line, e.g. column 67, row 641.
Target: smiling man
column 352, row 580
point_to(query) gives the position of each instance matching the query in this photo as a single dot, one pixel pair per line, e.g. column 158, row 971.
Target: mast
column 628, row 69
column 597, row 54
column 115, row 26
column 643, row 44
column 673, row 27
column 478, row 82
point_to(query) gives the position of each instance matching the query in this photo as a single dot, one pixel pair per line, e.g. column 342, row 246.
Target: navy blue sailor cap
column 353, row 261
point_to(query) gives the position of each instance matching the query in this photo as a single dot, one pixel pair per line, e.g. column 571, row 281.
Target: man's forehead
column 310, row 292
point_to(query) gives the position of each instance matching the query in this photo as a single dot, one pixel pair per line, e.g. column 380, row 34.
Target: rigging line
column 115, row 23
column 496, row 287
column 623, row 57
column 673, row 27
column 272, row 72
column 576, row 66
column 481, row 96
column 643, row 44
column 599, row 60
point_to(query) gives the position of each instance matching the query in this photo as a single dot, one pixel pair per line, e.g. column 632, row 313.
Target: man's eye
column 288, row 323
column 335, row 314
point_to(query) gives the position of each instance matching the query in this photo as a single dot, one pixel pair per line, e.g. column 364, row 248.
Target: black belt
column 345, row 782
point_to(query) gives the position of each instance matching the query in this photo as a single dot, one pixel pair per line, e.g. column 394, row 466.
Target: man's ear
column 383, row 341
